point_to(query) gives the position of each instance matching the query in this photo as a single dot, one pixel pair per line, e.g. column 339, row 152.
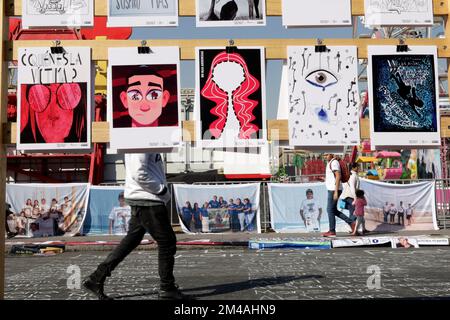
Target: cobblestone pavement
column 242, row 274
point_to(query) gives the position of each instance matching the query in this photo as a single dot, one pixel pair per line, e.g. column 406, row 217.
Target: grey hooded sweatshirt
column 145, row 179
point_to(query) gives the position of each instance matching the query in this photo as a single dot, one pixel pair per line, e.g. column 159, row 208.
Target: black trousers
column 154, row 220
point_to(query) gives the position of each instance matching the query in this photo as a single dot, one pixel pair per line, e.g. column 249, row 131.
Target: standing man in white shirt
column 119, row 217
column 334, row 187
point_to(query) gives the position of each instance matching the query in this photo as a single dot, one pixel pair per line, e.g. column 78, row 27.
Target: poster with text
column 403, row 96
column 46, row 210
column 57, row 13
column 107, row 212
column 230, row 13
column 230, row 97
column 394, row 207
column 54, row 99
column 144, row 99
column 323, row 96
column 300, row 208
column 316, row 13
column 398, row 12
column 143, row 13
column 218, row 208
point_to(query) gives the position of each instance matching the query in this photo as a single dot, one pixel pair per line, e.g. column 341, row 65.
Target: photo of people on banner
column 218, row 208
column 395, row 207
column 107, row 212
column 46, row 210
column 300, row 208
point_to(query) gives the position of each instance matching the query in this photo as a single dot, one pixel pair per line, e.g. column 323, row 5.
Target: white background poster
column 403, row 97
column 287, row 200
column 147, row 115
column 323, row 96
column 230, row 97
column 45, row 210
column 144, row 13
column 394, row 12
column 415, row 200
column 218, row 208
column 61, row 13
column 230, row 13
column 54, row 95
column 316, row 13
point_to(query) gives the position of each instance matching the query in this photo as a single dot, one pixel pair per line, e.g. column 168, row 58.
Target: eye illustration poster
column 403, row 96
column 316, row 13
column 54, row 95
column 323, row 96
column 230, row 97
column 57, row 13
column 142, row 13
column 398, row 12
column 143, row 99
column 231, row 13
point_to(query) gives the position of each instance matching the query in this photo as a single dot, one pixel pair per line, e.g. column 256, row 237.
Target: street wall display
column 230, row 13
column 399, row 207
column 54, row 99
column 143, row 13
column 403, row 96
column 218, row 208
column 230, row 104
column 107, row 212
column 300, row 208
column 323, row 96
column 429, row 164
column 395, row 12
column 144, row 99
column 57, row 13
column 45, row 210
column 316, row 13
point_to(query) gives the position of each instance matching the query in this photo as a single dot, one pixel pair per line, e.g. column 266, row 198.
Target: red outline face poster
column 143, row 99
column 54, row 101
column 230, row 97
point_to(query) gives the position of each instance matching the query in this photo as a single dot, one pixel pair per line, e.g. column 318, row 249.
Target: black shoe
column 173, row 294
column 96, row 288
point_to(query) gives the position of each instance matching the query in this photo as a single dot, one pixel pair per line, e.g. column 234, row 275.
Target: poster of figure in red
column 230, row 97
column 54, row 99
column 143, row 99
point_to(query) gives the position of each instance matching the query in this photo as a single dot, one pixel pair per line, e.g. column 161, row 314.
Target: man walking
column 147, row 194
column 334, row 187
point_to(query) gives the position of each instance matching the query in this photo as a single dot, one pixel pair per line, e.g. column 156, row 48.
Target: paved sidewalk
column 187, row 241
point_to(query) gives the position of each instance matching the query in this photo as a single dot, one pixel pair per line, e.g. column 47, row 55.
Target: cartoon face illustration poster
column 395, row 12
column 317, row 13
column 57, row 13
column 142, row 13
column 143, row 99
column 403, row 96
column 231, row 13
column 230, row 97
column 323, row 96
column 54, row 93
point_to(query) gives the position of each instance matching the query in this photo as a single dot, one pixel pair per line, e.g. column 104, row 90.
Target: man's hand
column 335, row 196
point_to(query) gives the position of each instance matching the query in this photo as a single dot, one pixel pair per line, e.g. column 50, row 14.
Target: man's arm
column 320, row 214
column 111, row 226
column 337, row 175
column 302, row 216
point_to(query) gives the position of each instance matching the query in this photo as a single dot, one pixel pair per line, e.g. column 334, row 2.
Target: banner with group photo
column 300, row 208
column 45, row 210
column 218, row 208
column 107, row 212
column 399, row 207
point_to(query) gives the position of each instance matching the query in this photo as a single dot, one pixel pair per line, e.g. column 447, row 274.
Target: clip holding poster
column 402, row 47
column 320, row 47
column 57, row 49
column 144, row 49
column 231, row 48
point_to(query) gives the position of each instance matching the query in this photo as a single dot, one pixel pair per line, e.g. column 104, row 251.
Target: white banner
column 45, row 210
column 397, row 207
column 218, row 208
column 300, row 208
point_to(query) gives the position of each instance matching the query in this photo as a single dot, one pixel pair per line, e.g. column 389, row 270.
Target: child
column 359, row 203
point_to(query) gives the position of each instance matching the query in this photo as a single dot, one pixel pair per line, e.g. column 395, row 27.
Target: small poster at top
column 317, row 13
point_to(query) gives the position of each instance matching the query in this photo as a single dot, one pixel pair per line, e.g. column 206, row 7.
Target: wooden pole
column 3, row 107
